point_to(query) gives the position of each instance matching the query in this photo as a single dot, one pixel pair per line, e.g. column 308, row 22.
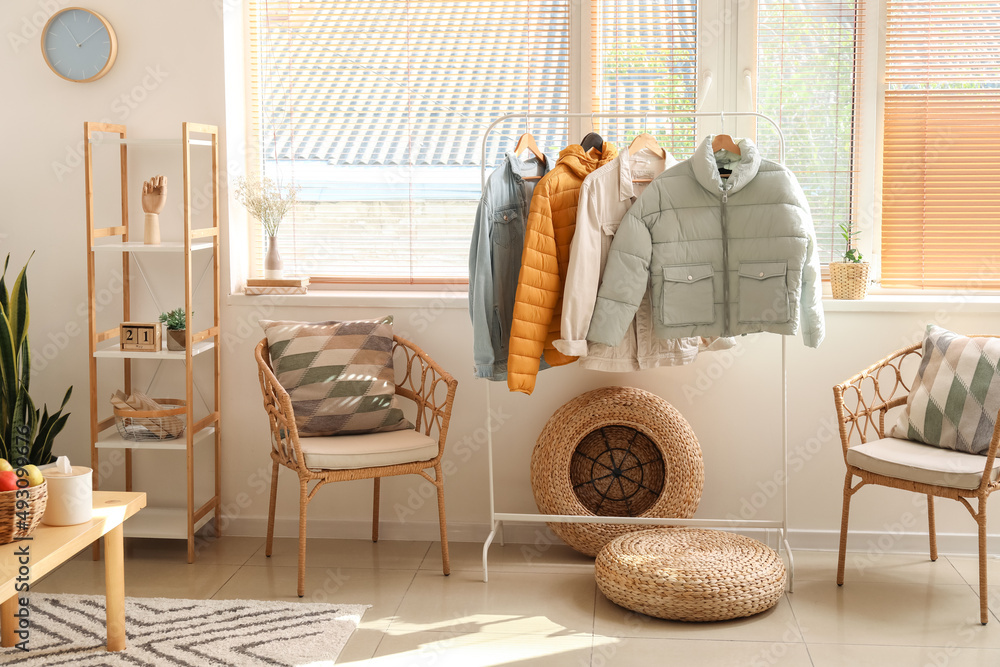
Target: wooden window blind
column 941, row 146
column 645, row 60
column 808, row 56
column 376, row 108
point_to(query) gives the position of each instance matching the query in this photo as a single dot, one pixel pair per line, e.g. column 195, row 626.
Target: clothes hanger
column 527, row 142
column 724, row 142
column 647, row 141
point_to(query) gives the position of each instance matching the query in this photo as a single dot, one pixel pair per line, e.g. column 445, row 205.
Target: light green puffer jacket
column 723, row 256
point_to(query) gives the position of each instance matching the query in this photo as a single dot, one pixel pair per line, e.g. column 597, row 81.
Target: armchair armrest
column 429, row 386
column 870, row 393
column 278, row 405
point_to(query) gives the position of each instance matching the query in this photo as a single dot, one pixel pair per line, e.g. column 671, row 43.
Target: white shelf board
column 162, row 522
column 118, row 141
column 139, row 246
column 110, row 439
column 110, row 350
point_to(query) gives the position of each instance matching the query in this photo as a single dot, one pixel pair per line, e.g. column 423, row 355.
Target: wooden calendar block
column 139, row 336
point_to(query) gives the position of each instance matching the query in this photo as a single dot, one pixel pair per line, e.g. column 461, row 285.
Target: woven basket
column 165, row 424
column 13, row 525
column 849, row 280
column 615, row 451
column 690, row 574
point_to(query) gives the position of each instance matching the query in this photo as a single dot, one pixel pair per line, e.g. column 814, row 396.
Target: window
column 807, row 59
column 645, row 59
column 377, row 108
column 940, row 155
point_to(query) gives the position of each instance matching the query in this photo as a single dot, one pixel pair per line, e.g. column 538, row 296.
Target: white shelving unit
column 139, row 246
column 159, row 522
column 109, row 438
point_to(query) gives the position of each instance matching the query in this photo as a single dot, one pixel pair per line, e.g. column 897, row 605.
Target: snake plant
column 26, row 433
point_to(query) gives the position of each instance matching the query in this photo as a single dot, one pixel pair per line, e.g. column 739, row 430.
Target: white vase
column 274, row 268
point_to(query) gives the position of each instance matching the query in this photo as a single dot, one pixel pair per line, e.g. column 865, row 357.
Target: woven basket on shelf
column 164, row 424
column 615, row 451
column 17, row 523
column 849, row 280
column 690, row 574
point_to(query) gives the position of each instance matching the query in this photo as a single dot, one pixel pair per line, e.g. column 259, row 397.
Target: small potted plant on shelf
column 176, row 324
column 267, row 202
column 849, row 278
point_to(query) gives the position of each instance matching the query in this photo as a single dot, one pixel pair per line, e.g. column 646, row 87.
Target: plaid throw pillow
column 338, row 375
column 955, row 397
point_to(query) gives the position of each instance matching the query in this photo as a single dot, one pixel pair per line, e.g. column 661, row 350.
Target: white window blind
column 808, row 56
column 376, row 108
column 645, row 60
column 941, row 146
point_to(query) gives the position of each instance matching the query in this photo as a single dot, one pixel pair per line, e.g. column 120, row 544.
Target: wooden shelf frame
column 116, row 239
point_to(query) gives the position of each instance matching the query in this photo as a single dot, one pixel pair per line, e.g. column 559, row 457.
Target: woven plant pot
column 849, row 280
column 690, row 574
column 615, row 451
column 16, row 523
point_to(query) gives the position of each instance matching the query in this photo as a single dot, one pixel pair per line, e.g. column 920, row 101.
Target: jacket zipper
column 725, row 264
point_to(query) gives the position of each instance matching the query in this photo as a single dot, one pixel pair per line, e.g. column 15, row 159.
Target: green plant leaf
column 18, row 313
column 24, row 426
column 4, row 298
column 8, row 378
column 42, row 451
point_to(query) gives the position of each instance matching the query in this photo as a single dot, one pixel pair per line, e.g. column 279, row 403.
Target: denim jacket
column 495, row 260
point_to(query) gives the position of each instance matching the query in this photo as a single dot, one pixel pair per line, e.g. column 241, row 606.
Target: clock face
column 79, row 45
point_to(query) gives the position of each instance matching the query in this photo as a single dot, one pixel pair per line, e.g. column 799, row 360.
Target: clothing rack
column 497, row 518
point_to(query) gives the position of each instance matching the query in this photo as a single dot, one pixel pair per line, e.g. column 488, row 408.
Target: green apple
column 33, row 474
column 4, row 465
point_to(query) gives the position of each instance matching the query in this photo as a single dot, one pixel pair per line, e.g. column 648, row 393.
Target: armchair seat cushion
column 917, row 462
column 348, row 452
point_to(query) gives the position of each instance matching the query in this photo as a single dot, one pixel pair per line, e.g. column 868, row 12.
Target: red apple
column 8, row 480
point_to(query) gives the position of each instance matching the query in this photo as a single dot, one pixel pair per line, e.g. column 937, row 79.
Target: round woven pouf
column 690, row 574
column 615, row 451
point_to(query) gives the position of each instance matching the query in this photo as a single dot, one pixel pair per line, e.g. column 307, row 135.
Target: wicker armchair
column 424, row 382
column 862, row 403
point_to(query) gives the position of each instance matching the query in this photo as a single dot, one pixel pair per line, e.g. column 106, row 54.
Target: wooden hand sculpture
column 154, row 198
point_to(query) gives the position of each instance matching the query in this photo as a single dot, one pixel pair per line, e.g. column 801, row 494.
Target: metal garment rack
column 497, row 518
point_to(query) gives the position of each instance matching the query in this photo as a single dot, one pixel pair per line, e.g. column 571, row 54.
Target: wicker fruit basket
column 849, row 280
column 17, row 523
column 164, row 424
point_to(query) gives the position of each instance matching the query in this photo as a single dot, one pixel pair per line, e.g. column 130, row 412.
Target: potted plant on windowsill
column 267, row 202
column 849, row 279
column 26, row 433
column 176, row 325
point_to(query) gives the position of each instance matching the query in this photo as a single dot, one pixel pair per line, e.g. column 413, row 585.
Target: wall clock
column 79, row 44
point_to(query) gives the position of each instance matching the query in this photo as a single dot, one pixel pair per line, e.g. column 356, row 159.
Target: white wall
column 170, row 68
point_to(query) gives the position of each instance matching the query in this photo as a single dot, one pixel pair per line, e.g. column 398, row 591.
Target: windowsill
column 456, row 296
column 448, row 296
column 913, row 303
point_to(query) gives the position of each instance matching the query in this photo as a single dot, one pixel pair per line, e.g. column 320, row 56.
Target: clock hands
column 90, row 35
column 69, row 31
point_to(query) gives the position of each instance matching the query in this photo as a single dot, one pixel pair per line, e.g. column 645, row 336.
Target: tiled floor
column 542, row 607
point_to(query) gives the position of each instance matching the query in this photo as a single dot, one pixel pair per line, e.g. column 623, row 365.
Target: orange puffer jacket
column 550, row 227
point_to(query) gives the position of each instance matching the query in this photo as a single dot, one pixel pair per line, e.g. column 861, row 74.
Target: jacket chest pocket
column 505, row 228
column 763, row 292
column 688, row 295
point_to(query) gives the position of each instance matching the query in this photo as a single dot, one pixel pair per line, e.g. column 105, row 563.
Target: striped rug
column 69, row 630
